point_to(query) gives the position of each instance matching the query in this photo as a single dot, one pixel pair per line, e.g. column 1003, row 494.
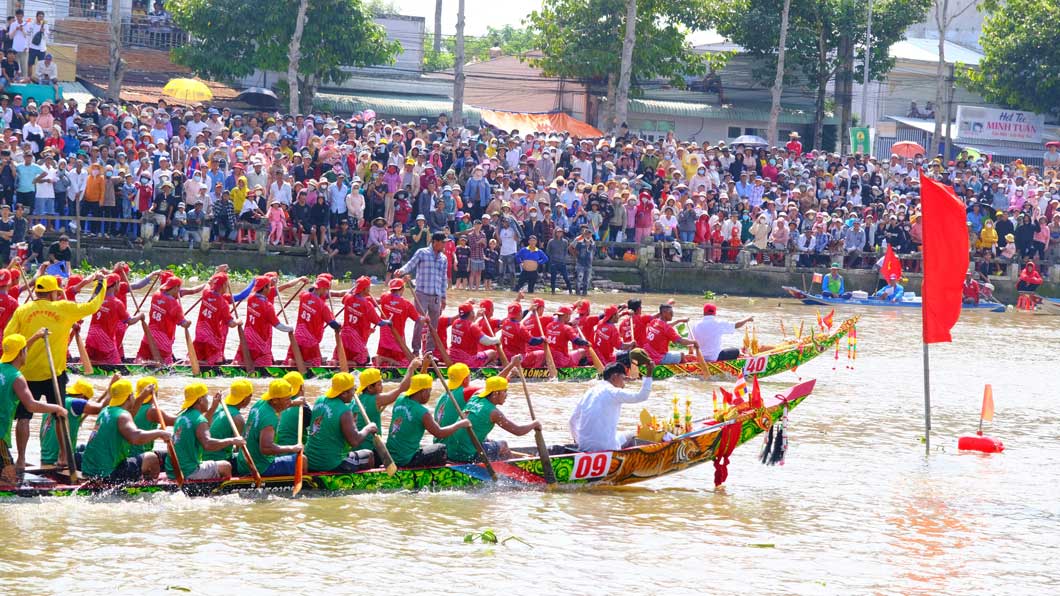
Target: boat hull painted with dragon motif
column 574, row 470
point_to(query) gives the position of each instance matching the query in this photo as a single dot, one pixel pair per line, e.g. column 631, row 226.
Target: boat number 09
column 755, row 365
column 591, row 465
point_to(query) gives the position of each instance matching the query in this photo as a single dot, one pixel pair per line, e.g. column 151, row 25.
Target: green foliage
column 186, row 271
column 235, row 37
column 512, row 42
column 488, row 536
column 583, row 39
column 1021, row 63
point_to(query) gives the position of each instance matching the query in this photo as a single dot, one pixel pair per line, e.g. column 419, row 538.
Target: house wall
column 507, row 83
column 907, row 82
column 701, row 130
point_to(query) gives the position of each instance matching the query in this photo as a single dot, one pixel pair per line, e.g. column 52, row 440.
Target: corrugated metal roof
column 403, row 106
column 920, row 49
column 77, row 91
column 927, row 126
column 712, row 112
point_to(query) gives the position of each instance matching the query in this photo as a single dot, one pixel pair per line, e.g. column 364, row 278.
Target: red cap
column 609, row 313
column 487, row 305
column 362, row 284
column 710, row 309
column 538, row 303
column 73, row 280
column 563, row 310
column 465, row 308
column 172, row 282
column 122, row 267
column 326, row 276
column 396, row 284
column 261, row 282
column 112, row 280
column 5, row 277
column 165, row 275
column 515, row 310
column 582, row 306
column 272, row 274
column 218, row 280
column 322, row 283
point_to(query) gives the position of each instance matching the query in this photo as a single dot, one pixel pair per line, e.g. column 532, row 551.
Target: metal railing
column 89, row 9
column 152, row 33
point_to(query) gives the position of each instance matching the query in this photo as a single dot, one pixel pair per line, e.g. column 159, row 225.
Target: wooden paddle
column 29, row 289
column 298, row 292
column 62, row 427
column 470, row 432
column 592, row 352
column 344, row 363
column 86, row 362
column 398, row 337
column 438, row 345
column 193, row 358
column 552, row 372
column 377, row 441
column 542, row 447
column 169, row 443
column 300, row 459
column 500, row 347
column 155, row 354
column 244, row 348
column 145, row 296
column 297, row 353
column 246, row 453
column 194, row 304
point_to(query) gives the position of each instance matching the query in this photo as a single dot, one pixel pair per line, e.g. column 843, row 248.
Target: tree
column 294, row 55
column 1021, row 63
column 578, row 40
column 943, row 16
column 626, row 67
column 510, row 40
column 233, row 38
column 458, row 73
column 116, row 65
column 778, row 81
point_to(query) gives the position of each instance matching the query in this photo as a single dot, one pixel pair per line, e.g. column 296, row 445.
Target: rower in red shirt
column 215, row 318
column 607, row 339
column 313, row 316
column 125, row 289
column 7, row 303
column 634, row 328
column 487, row 323
column 73, row 286
column 537, row 309
column 559, row 335
column 585, row 322
column 103, row 337
column 163, row 317
column 359, row 316
column 660, row 334
column 399, row 310
column 467, row 339
column 261, row 320
column 516, row 339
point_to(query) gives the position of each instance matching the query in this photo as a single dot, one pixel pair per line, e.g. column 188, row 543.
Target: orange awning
column 546, row 123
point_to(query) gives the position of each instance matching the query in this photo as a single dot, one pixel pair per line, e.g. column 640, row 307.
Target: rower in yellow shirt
column 52, row 311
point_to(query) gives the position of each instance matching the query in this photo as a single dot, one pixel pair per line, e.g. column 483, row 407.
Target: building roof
column 920, row 49
column 927, row 126
column 713, row 112
column 398, row 106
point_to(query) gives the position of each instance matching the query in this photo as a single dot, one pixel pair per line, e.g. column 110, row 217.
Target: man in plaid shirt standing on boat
column 431, row 268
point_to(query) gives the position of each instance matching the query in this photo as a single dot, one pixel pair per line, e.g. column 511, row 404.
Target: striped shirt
column 431, row 270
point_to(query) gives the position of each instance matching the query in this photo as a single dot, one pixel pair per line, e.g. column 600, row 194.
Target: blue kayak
column 819, row 300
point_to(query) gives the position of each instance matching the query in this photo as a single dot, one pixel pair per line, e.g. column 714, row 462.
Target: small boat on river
column 911, row 302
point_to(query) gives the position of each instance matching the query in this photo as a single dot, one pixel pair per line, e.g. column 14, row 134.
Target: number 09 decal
column 591, row 465
column 755, row 365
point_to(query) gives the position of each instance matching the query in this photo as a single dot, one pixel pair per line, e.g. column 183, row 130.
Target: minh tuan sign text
column 989, row 124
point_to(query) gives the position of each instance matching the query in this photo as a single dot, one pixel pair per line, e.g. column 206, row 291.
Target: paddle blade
column 298, row 463
column 391, row 469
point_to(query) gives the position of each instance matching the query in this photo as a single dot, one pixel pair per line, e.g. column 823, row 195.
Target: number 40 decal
column 755, row 365
column 591, row 465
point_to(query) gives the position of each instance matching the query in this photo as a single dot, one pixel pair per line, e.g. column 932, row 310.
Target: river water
column 857, row 509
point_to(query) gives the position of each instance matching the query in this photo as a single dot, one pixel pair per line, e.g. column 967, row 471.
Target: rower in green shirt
column 332, row 430
column 410, row 420
column 108, row 453
column 191, row 436
column 14, row 391
column 483, row 413
column 374, row 400
column 239, row 396
column 448, row 415
column 78, row 405
column 287, row 429
column 270, row 458
column 146, row 418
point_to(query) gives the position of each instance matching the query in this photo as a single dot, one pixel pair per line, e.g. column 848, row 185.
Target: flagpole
column 927, row 402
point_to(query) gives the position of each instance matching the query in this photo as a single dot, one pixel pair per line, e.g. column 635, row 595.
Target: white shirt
column 708, row 333
column 32, row 30
column 281, row 192
column 46, row 188
column 18, row 34
column 355, row 204
column 77, row 182
column 594, row 423
column 46, row 72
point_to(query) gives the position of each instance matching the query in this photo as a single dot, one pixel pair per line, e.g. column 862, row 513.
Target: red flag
column 945, row 254
column 891, row 265
column 829, row 319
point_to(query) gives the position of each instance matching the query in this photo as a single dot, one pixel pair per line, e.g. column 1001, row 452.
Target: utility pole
column 950, row 88
column 778, row 81
column 457, row 118
column 868, row 61
column 115, row 65
column 437, row 27
column 625, row 72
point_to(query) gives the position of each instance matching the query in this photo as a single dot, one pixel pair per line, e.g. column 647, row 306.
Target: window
column 733, row 132
column 750, row 131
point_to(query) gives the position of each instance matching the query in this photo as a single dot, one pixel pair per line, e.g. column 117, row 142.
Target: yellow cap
column 192, row 393
column 419, row 383
column 120, row 392
column 47, row 283
column 238, row 391
column 81, row 387
column 340, row 383
column 13, row 346
column 278, row 389
column 457, row 373
column 295, row 380
column 369, row 376
column 493, row 385
column 144, row 383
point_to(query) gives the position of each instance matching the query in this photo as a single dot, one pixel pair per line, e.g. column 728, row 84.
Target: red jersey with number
column 360, row 314
column 261, row 317
column 313, row 316
column 399, row 311
column 110, row 316
column 606, row 340
column 166, row 314
column 466, row 335
column 658, row 338
column 489, row 329
column 640, row 326
column 515, row 338
column 7, row 309
column 532, row 326
column 559, row 335
column 214, row 315
column 587, row 324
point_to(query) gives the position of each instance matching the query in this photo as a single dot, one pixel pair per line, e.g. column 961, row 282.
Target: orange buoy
column 980, row 443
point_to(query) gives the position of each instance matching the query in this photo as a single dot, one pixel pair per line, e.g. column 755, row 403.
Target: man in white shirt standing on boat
column 709, row 331
column 594, row 423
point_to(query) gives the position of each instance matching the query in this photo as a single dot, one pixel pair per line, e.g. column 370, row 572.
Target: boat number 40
column 591, row 465
column 755, row 365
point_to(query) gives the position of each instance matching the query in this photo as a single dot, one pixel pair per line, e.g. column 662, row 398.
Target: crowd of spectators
column 375, row 188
